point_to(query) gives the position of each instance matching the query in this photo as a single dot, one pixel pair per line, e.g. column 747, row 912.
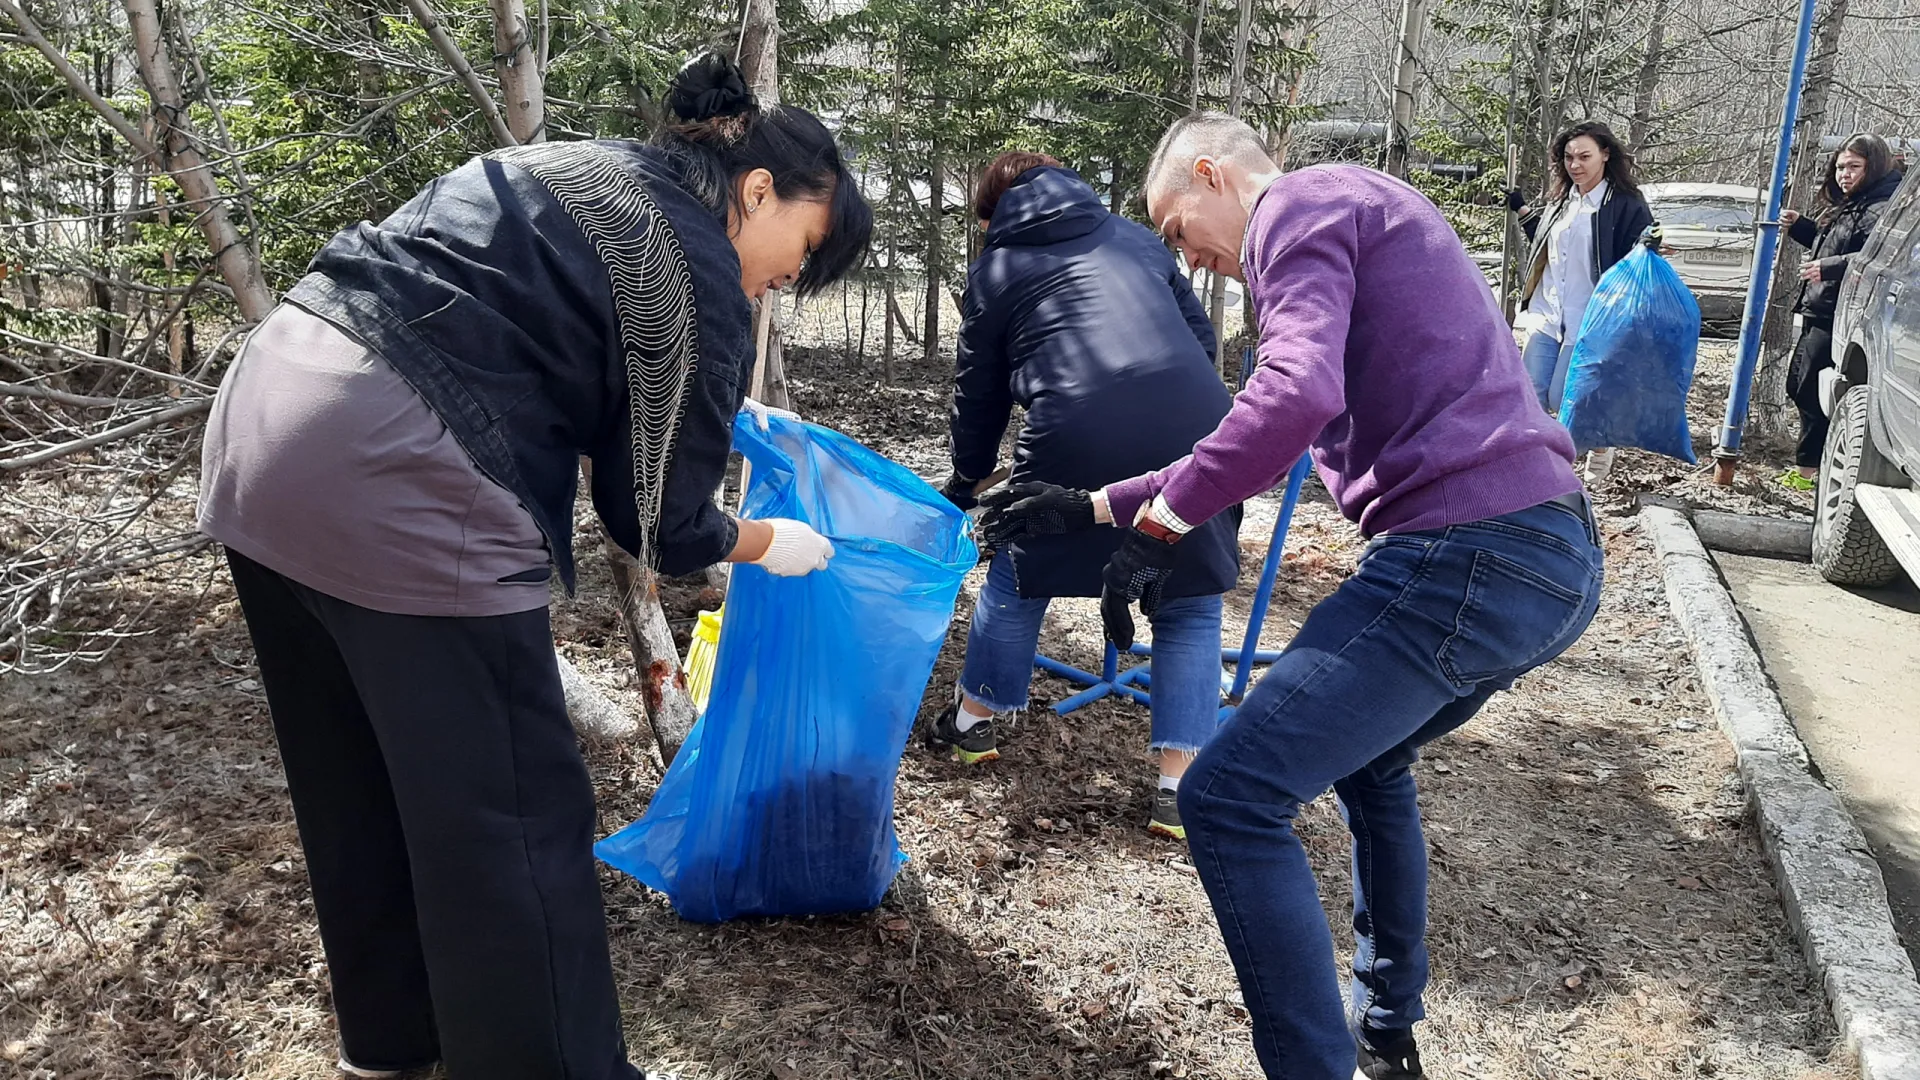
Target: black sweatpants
column 1813, row 355
column 448, row 824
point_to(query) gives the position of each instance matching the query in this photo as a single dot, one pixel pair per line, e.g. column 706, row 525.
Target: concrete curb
column 1828, row 881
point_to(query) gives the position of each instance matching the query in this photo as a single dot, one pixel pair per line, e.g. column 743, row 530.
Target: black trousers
column 1813, row 355
column 448, row 824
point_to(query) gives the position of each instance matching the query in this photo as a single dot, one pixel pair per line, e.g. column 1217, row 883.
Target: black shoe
column 1396, row 1059
column 970, row 747
column 1166, row 814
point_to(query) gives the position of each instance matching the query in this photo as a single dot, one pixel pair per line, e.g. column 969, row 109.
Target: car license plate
column 1716, row 257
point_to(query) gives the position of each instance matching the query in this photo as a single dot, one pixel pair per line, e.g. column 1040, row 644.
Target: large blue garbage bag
column 1632, row 365
column 781, row 801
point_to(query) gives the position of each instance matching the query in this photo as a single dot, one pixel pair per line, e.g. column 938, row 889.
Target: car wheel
column 1846, row 548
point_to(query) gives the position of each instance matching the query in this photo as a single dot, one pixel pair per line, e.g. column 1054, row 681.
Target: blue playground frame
column 1136, row 682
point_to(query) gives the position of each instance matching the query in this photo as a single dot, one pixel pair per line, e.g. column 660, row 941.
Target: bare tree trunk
column 936, row 204
column 663, row 685
column 1773, row 414
column 517, row 67
column 760, row 63
column 1647, row 84
column 887, row 317
column 371, row 76
column 1237, row 89
column 891, row 310
column 1308, row 15
column 457, row 60
column 759, row 50
column 546, row 41
column 1196, row 46
column 106, row 331
column 29, row 233
column 177, row 326
column 239, row 265
column 1543, row 79
column 1406, row 74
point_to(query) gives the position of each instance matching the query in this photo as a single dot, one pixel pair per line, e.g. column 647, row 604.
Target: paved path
column 1847, row 663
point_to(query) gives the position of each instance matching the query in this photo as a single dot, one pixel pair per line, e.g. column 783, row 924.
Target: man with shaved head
column 1382, row 353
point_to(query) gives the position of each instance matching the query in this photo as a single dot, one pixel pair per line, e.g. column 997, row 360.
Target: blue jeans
column 1186, row 658
column 1429, row 627
column 1547, row 361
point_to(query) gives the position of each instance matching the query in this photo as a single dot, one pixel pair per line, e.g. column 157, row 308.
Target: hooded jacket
column 1085, row 320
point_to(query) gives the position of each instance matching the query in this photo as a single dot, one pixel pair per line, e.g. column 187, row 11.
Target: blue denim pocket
column 1511, row 619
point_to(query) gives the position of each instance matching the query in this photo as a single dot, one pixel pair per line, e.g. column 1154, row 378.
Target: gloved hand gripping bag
column 781, row 800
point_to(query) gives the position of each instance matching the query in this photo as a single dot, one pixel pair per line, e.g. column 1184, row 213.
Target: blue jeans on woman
column 1547, row 361
column 1186, row 658
column 1429, row 627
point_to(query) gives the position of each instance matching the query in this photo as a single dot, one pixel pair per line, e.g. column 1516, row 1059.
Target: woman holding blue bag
column 1593, row 218
column 391, row 466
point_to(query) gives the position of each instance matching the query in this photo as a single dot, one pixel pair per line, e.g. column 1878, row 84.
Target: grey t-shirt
column 323, row 464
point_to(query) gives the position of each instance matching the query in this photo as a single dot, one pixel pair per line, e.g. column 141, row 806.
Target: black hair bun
column 709, row 86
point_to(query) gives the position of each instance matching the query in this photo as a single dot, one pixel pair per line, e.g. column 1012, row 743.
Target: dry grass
column 1601, row 908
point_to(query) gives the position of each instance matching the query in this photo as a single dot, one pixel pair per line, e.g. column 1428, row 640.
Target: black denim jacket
column 487, row 298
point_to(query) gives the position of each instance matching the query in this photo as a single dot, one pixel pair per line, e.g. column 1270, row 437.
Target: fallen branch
column 592, row 712
column 78, row 401
column 115, row 434
column 109, row 361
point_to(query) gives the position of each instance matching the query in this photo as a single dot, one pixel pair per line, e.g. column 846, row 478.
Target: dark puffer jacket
column 1835, row 244
column 1084, row 318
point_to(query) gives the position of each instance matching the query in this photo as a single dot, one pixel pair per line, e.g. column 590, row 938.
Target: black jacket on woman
column 1616, row 228
column 1835, row 243
column 1084, row 318
column 485, row 294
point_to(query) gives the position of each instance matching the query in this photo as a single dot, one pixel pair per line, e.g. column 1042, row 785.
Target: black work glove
column 1516, row 202
column 959, row 491
column 1136, row 572
column 1033, row 509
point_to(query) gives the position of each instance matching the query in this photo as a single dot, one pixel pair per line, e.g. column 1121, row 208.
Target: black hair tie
column 710, row 86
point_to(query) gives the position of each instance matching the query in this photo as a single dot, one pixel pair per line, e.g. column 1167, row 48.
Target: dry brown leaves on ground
column 1600, row 905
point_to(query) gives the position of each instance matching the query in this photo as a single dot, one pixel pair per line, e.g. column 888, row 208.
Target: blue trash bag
column 1632, row 365
column 781, row 801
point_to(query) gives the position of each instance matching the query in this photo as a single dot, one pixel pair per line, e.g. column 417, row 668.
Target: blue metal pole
column 1727, row 454
column 1243, row 670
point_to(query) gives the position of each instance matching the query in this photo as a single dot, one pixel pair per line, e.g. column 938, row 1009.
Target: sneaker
column 970, row 747
column 1793, row 481
column 350, row 1069
column 1599, row 466
column 1398, row 1059
column 1166, row 814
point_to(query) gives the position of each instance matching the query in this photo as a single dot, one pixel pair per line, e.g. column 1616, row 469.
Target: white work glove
column 796, row 549
column 760, row 412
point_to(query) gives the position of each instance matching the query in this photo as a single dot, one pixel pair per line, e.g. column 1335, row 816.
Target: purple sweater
column 1383, row 350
